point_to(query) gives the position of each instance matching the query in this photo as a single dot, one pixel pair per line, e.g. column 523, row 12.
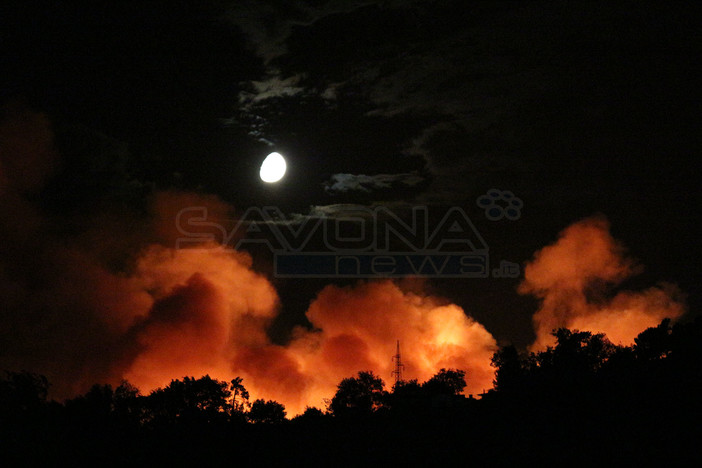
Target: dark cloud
column 27, row 154
column 342, row 183
column 510, row 91
column 574, row 107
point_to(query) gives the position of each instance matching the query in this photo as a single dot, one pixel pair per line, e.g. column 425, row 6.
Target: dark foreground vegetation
column 582, row 402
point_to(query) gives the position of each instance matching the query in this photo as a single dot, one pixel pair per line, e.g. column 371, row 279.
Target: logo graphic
column 354, row 242
column 506, row 270
column 500, row 204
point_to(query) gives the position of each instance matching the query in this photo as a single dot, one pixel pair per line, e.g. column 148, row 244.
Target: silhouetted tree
column 655, row 342
column 310, row 415
column 407, row 388
column 127, row 403
column 446, row 382
column 575, row 359
column 204, row 399
column 686, row 345
column 22, row 392
column 360, row 395
column 407, row 395
column 509, row 372
column 96, row 404
column 266, row 412
column 126, row 391
column 239, row 395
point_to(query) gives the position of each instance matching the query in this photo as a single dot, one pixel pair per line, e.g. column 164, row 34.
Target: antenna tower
column 397, row 373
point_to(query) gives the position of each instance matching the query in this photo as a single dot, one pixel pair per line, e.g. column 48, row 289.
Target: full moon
column 273, row 168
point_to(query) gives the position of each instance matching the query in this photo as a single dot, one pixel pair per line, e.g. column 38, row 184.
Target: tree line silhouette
column 582, row 399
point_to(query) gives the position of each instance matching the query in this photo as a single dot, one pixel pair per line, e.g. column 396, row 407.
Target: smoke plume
column 357, row 328
column 106, row 295
column 214, row 322
column 572, row 278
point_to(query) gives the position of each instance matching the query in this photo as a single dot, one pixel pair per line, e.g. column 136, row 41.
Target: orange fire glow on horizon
column 214, row 322
column 167, row 313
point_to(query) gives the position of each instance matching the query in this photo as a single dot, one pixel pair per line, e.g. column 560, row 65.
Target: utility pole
column 397, row 373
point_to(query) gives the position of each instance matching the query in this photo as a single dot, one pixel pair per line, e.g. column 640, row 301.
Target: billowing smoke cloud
column 215, row 322
column 358, row 327
column 59, row 306
column 91, row 298
column 112, row 298
column 207, row 303
column 572, row 276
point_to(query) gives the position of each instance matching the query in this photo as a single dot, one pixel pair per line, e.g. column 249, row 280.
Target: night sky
column 580, row 109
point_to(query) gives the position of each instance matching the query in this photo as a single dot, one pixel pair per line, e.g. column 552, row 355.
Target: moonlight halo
column 273, row 168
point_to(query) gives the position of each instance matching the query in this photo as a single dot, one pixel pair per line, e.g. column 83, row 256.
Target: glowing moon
column 273, row 168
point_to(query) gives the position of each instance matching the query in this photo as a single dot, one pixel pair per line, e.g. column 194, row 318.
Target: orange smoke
column 208, row 303
column 112, row 298
column 211, row 313
column 571, row 276
column 357, row 328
